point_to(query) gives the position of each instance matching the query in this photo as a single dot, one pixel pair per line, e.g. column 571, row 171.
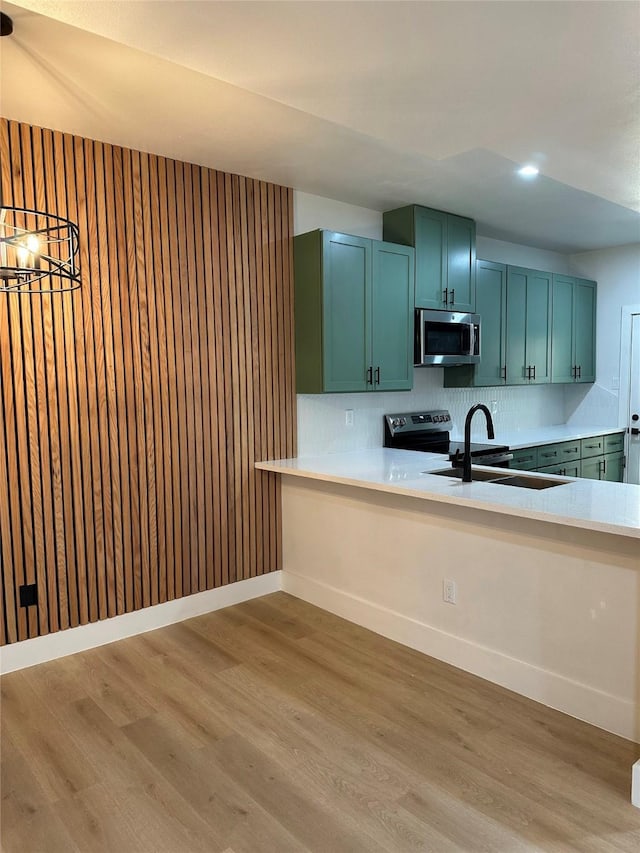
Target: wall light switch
column 348, row 417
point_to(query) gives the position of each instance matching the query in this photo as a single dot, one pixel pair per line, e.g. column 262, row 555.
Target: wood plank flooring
column 273, row 726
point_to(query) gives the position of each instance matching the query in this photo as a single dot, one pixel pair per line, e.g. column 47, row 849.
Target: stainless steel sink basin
column 500, row 478
column 475, row 475
column 530, row 482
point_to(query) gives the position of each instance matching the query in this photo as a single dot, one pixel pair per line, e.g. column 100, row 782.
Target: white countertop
column 588, row 504
column 516, row 439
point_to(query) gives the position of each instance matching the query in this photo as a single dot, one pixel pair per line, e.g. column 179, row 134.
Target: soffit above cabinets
column 378, row 104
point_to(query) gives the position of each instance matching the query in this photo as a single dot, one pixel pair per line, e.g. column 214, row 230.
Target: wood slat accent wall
column 132, row 410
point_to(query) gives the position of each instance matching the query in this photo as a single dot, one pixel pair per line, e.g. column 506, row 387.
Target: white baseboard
column 72, row 640
column 604, row 710
column 635, row 784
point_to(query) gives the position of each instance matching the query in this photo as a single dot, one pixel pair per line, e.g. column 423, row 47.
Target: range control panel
column 419, row 422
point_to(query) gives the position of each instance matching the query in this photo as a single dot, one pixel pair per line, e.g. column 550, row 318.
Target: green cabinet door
column 538, row 326
column 592, row 469
column 573, row 334
column 392, row 316
column 346, row 312
column 528, row 326
column 491, row 302
column 461, row 264
column 431, row 258
column 516, row 314
column 445, row 247
column 562, row 325
column 614, row 467
column 585, row 330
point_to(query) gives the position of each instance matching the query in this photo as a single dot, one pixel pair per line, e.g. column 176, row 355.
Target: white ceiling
column 373, row 103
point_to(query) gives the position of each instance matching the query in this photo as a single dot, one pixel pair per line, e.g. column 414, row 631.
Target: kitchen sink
column 530, row 482
column 475, row 475
column 500, row 478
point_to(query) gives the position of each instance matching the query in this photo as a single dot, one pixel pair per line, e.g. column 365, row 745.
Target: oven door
column 446, row 338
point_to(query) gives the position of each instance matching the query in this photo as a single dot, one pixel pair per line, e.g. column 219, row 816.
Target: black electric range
column 429, row 432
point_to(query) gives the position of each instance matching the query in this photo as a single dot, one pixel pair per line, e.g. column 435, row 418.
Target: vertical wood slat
column 37, row 427
column 132, row 411
column 19, row 343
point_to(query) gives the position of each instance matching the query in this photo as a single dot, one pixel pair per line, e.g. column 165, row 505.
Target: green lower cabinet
column 353, row 314
column 592, row 468
column 598, row 458
column 564, row 469
column 614, row 443
column 592, row 446
column 525, row 459
column 614, row 467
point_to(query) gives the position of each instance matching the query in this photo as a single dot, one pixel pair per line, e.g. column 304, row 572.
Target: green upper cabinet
column 491, row 302
column 573, row 329
column 392, row 316
column 562, row 350
column 353, row 314
column 584, row 329
column 346, row 312
column 445, row 260
column 528, row 320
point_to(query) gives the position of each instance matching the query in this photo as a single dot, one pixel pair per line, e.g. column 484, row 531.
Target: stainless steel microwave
column 445, row 338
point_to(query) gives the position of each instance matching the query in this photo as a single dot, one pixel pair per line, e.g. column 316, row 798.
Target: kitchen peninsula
column 546, row 583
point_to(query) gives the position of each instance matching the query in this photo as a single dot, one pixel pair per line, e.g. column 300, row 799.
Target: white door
column 633, row 420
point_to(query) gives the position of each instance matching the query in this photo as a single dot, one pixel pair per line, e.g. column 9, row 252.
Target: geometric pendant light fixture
column 38, row 252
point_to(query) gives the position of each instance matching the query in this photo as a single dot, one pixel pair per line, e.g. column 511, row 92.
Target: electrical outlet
column 449, row 591
column 348, row 417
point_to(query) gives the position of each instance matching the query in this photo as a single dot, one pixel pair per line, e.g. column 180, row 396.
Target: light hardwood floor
column 274, row 727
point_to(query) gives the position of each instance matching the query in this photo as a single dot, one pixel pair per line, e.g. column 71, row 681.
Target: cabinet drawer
column 592, row 446
column 525, row 459
column 564, row 469
column 560, row 452
column 614, row 443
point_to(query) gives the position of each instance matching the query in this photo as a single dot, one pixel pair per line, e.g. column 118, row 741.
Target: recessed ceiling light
column 528, row 171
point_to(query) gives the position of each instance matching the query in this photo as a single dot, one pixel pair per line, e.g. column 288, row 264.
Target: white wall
column 520, row 256
column 617, row 272
column 551, row 612
column 314, row 211
column 321, row 417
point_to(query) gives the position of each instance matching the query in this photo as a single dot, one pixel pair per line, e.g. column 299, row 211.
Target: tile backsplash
column 322, row 417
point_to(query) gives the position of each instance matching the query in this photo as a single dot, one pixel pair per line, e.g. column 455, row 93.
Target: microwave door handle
column 422, row 341
column 472, row 339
